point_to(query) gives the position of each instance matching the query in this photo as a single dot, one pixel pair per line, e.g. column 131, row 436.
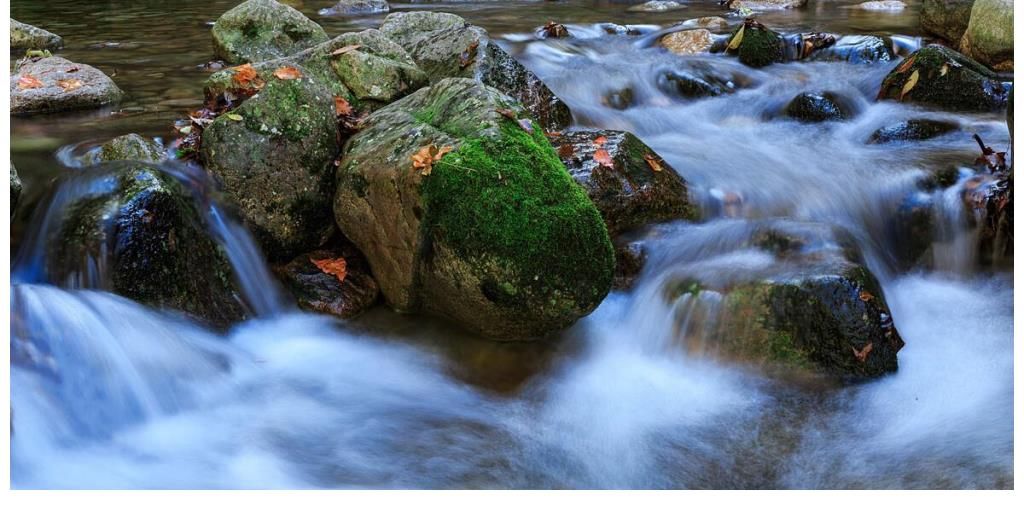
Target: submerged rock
column 464, row 211
column 938, row 76
column 334, row 281
column 819, row 310
column 989, row 35
column 132, row 147
column 855, row 49
column 258, row 30
column 446, row 46
column 946, row 18
column 882, row 5
column 628, row 182
column 764, row 5
column 913, row 130
column 141, row 236
column 15, row 189
column 818, row 107
column 356, row 8
column 687, row 42
column 712, row 23
column 619, row 99
column 657, row 6
column 274, row 154
column 54, row 84
column 365, row 68
column 630, row 258
column 756, row 45
column 28, row 37
column 696, row 82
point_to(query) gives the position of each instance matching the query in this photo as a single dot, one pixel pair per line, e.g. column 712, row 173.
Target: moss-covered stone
column 65, row 86
column 637, row 188
column 497, row 236
column 756, row 45
column 273, row 155
column 446, row 46
column 371, row 73
column 946, row 18
column 258, row 30
column 938, row 76
column 141, row 236
column 28, row 37
column 989, row 35
column 131, row 147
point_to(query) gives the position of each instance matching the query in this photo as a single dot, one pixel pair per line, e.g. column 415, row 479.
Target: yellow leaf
column 233, row 116
column 652, row 161
column 737, row 39
column 909, row 85
column 944, row 70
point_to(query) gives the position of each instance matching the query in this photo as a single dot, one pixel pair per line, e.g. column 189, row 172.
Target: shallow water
column 122, row 396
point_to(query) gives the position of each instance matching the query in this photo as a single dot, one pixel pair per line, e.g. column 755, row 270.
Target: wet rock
column 552, row 30
column 818, row 107
column 657, row 6
column 911, row 231
column 365, row 68
column 28, row 37
column 142, row 237
column 989, row 35
column 695, row 83
column 989, row 198
column 764, row 5
column 615, row 29
column 856, row 49
column 630, row 258
column 818, row 310
column 628, row 182
column 756, row 45
column 913, row 130
column 356, row 8
column 619, row 99
column 491, row 232
column 334, row 281
column 446, row 46
column 258, row 30
column 274, row 155
column 687, row 42
column 946, row 18
column 938, row 76
column 882, row 5
column 712, row 23
column 53, row 84
column 15, row 189
column 132, row 147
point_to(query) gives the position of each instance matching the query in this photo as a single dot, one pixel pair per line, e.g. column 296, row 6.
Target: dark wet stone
column 15, row 189
column 323, row 292
column 53, row 84
column 756, row 45
column 990, row 199
column 630, row 258
column 695, row 83
column 620, row 99
column 818, row 107
column 938, row 76
column 626, row 188
column 913, row 130
column 855, row 49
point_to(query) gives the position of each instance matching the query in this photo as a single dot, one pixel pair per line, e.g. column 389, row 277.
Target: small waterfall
column 956, row 235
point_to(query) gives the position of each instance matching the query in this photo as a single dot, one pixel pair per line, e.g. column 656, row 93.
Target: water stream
column 109, row 394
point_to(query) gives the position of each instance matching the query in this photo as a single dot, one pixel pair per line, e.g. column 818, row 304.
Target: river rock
column 365, row 68
column 946, row 18
column 818, row 107
column 855, row 49
column 656, row 6
column 712, row 23
column 446, row 46
column 630, row 258
column 15, row 189
column 628, row 182
column 989, row 35
column 274, row 156
column 28, row 37
column 334, row 281
column 913, row 130
column 258, row 30
column 356, row 8
column 882, row 5
column 132, row 147
column 53, row 84
column 485, row 226
column 142, row 237
column 818, row 309
column 696, row 82
column 756, row 45
column 989, row 198
column 938, row 76
column 764, row 5
column 687, row 42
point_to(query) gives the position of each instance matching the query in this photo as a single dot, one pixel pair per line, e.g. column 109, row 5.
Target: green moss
column 759, row 46
column 509, row 199
column 280, row 110
column 946, row 79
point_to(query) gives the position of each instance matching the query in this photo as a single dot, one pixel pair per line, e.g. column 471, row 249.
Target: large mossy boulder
column 365, row 68
column 274, row 156
column 446, row 46
column 756, row 45
column 938, row 76
column 816, row 309
column 628, row 182
column 989, row 35
column 139, row 234
column 52, row 84
column 464, row 211
column 946, row 18
column 258, row 30
column 28, row 37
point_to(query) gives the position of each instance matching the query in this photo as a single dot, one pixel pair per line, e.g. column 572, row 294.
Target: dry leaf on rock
column 337, row 267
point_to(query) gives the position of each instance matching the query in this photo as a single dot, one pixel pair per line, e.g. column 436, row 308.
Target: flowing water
column 108, row 393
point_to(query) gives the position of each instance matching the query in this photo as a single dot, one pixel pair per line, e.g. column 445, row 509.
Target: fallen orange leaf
column 341, row 106
column 425, row 158
column 600, row 141
column 287, row 73
column 27, row 81
column 862, row 354
column 866, row 296
column 337, row 267
column 603, row 158
column 70, row 84
column 245, row 76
